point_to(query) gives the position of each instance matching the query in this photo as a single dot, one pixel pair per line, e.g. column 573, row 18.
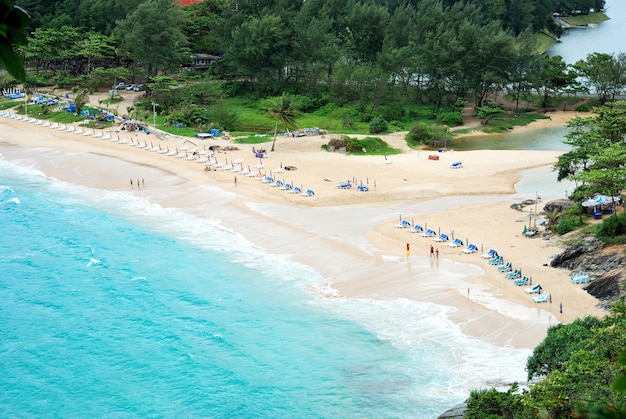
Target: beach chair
column 522, row 281
column 277, row 184
column 442, row 238
column 470, row 249
column 403, row 224
column 416, row 229
column 535, row 289
column 516, row 274
column 363, row 188
column 496, row 261
column 308, row 193
column 296, row 189
column 456, row 243
column 507, row 267
column 344, row 185
column 579, row 278
column 285, row 187
column 490, row 254
column 541, row 298
column 429, row 233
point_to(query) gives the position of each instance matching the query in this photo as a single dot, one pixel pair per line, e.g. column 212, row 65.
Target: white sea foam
column 437, row 344
column 434, row 344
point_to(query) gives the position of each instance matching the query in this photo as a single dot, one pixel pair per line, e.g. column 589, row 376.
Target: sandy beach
column 351, row 237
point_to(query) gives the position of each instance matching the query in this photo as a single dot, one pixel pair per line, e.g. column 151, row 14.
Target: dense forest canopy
column 375, row 53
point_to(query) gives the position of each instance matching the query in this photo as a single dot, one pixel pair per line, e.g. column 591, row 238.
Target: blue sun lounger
column 456, row 243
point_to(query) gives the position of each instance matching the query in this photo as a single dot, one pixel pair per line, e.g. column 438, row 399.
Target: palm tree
column 283, row 111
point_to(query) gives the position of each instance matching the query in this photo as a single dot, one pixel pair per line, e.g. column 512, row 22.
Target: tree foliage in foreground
column 597, row 160
column 580, row 370
column 13, row 22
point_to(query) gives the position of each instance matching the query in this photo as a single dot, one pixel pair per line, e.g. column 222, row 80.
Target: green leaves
column 13, row 22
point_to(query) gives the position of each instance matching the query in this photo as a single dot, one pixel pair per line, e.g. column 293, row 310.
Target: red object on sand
column 433, row 157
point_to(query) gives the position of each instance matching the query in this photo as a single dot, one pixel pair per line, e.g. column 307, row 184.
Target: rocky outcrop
column 604, row 265
column 572, row 258
column 457, row 412
column 561, row 205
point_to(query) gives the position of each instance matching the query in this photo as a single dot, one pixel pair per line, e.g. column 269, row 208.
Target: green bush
column 327, row 110
column 491, row 403
column 582, row 108
column 378, row 125
column 612, row 227
column 450, row 119
column 428, row 134
column 419, row 134
column 567, row 224
column 391, row 112
column 307, row 104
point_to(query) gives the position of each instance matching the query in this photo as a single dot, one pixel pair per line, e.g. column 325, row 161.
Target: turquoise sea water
column 112, row 306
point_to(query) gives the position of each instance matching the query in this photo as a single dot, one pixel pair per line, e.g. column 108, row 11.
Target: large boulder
column 607, row 287
column 558, row 204
column 571, row 257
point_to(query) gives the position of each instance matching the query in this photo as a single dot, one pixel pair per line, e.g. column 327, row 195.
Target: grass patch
column 583, row 20
column 544, row 41
column 506, row 122
column 254, row 139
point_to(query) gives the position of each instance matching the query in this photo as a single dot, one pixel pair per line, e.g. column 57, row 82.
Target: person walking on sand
column 437, row 253
column 235, row 181
column 131, row 182
column 138, row 183
column 432, row 251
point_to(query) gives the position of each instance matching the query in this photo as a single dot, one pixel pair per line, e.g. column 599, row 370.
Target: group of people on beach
column 140, row 184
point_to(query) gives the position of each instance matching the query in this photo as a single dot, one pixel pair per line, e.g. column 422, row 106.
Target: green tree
column 522, row 64
column 591, row 139
column 282, row 110
column 152, row 35
column 53, row 44
column 550, row 76
column 560, row 342
column 366, row 27
column 260, row 49
column 604, row 72
column 607, row 173
column 81, row 99
column 203, row 26
column 95, row 46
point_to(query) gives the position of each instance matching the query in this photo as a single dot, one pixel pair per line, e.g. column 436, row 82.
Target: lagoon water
column 113, row 306
column 608, row 37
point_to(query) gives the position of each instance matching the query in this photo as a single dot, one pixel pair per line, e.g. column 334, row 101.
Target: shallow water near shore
column 536, row 139
column 116, row 305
